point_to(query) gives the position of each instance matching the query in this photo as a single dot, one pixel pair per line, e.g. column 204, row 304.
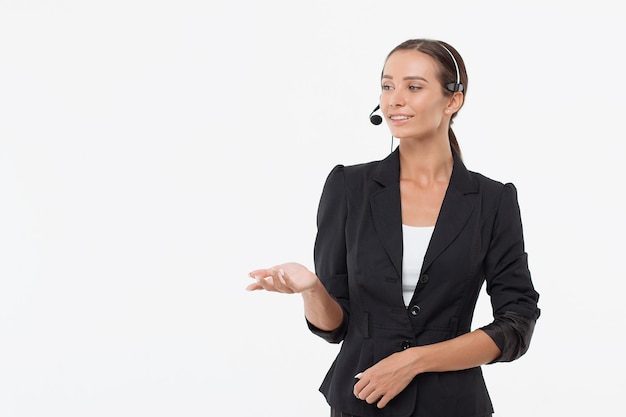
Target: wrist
column 315, row 289
column 420, row 359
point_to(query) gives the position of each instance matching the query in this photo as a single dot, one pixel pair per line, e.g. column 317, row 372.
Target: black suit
column 358, row 257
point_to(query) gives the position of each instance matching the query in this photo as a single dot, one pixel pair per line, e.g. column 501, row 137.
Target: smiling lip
column 399, row 118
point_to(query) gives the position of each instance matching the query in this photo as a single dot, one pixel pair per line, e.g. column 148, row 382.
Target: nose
column 396, row 98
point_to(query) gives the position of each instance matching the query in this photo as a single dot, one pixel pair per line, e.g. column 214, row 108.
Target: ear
column 455, row 103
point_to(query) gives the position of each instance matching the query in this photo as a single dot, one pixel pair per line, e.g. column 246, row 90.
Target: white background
column 153, row 152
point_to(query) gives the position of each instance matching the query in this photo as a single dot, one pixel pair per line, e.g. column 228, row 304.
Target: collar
column 388, row 173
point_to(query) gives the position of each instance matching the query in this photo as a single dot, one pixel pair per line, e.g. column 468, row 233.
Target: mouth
column 399, row 117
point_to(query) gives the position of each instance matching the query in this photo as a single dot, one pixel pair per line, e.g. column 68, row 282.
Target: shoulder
column 354, row 172
column 485, row 182
column 489, row 185
column 496, row 196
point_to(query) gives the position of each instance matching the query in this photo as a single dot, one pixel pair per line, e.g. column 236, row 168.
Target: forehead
column 410, row 63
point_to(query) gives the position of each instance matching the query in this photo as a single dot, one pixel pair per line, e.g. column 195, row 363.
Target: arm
column 505, row 339
column 326, row 314
column 512, row 333
column 321, row 310
column 463, row 352
column 509, row 285
column 386, row 379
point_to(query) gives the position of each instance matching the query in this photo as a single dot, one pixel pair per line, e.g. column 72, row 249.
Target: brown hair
column 447, row 70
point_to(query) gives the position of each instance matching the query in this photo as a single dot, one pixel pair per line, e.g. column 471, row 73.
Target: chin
column 403, row 134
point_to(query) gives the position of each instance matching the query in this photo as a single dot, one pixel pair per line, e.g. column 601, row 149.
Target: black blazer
column 358, row 257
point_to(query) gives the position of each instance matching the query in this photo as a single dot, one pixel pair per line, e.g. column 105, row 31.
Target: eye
column 415, row 87
column 387, row 87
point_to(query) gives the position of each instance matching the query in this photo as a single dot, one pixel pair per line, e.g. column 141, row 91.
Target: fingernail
column 258, row 279
column 358, row 376
column 281, row 272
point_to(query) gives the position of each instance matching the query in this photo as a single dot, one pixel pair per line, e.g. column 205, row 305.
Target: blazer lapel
column 386, row 209
column 454, row 212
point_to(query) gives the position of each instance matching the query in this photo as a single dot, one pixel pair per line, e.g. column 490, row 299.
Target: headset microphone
column 374, row 118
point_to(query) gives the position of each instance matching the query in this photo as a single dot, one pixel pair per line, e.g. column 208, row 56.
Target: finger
column 279, row 281
column 255, row 286
column 368, row 394
column 267, row 283
column 361, row 390
column 256, row 275
column 358, row 386
column 280, row 276
column 384, row 401
column 284, row 280
column 373, row 397
column 264, row 272
column 293, row 287
column 366, row 391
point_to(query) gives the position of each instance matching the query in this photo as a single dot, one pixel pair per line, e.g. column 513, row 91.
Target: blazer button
column 415, row 310
column 405, row 344
column 424, row 279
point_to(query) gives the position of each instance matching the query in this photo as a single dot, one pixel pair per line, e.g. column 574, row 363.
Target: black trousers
column 335, row 413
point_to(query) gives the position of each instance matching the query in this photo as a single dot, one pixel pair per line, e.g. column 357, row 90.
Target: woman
column 403, row 248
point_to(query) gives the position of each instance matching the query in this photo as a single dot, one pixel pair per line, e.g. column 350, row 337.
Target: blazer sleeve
column 513, row 296
column 330, row 249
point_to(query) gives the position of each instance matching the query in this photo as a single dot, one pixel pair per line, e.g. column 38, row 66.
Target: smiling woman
column 422, row 70
column 403, row 248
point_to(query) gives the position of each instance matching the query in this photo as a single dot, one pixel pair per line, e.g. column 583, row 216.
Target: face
column 412, row 100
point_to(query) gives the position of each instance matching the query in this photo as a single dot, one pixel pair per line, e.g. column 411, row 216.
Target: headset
column 453, row 87
column 457, row 86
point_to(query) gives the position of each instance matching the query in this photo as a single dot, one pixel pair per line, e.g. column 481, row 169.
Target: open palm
column 286, row 278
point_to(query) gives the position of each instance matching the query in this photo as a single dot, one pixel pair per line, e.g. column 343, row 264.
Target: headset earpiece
column 454, row 87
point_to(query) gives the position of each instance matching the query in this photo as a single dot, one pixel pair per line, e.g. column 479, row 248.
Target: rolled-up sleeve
column 513, row 297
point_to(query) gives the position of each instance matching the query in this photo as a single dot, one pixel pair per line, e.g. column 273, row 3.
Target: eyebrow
column 411, row 77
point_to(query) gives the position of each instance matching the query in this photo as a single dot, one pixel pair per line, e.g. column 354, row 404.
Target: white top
column 415, row 241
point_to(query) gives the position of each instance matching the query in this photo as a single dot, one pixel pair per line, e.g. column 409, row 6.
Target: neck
column 425, row 161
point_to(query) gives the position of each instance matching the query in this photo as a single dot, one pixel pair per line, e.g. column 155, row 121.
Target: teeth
column 400, row 117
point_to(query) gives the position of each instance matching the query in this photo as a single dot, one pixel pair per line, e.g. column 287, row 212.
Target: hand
column 286, row 278
column 383, row 381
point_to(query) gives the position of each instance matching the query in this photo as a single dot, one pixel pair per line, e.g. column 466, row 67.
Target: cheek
column 383, row 100
column 434, row 107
